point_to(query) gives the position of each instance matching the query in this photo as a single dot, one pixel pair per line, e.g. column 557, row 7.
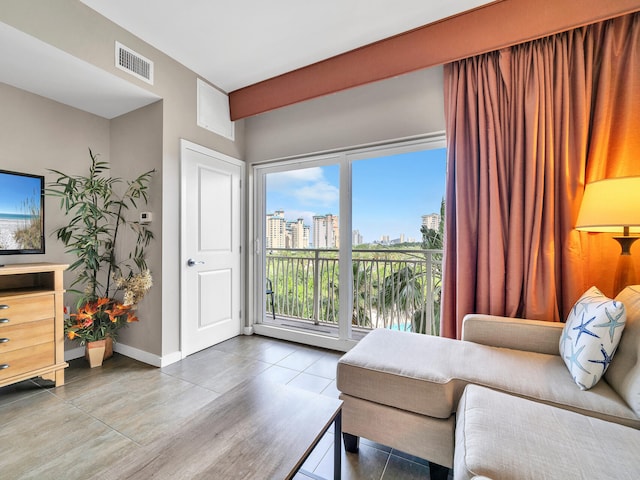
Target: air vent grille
column 134, row 63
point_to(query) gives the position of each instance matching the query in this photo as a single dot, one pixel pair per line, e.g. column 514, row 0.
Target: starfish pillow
column 591, row 336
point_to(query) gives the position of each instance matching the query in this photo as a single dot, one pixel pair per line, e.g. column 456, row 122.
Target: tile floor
column 70, row 432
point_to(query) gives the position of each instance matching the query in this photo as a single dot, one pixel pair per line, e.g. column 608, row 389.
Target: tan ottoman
column 397, row 390
column 501, row 436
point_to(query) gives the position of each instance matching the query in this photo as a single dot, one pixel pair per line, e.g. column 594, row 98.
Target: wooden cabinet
column 31, row 322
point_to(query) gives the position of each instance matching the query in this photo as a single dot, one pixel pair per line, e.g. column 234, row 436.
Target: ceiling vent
column 134, row 63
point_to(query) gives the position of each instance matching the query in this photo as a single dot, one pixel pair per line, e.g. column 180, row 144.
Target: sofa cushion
column 426, row 375
column 590, row 336
column 624, row 372
column 503, row 436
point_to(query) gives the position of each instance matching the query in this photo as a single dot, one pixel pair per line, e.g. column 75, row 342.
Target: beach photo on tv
column 20, row 213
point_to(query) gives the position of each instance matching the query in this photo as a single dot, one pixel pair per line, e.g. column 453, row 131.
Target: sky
column 389, row 194
column 14, row 189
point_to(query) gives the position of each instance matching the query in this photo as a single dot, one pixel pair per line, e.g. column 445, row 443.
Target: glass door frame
column 257, row 224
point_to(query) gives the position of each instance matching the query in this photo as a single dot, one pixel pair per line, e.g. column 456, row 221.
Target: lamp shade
column 610, row 205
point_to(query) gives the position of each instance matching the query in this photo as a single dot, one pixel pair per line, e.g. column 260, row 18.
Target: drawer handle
column 4, row 307
column 4, row 320
column 3, row 366
column 4, row 340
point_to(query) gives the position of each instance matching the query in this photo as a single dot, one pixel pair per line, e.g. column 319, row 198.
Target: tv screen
column 21, row 213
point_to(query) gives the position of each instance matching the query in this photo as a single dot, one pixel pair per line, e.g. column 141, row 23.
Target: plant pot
column 94, row 352
column 108, row 348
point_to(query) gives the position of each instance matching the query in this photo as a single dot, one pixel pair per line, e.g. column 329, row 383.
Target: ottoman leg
column 351, row 442
column 438, row 472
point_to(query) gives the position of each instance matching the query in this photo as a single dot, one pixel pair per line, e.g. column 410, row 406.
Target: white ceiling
column 35, row 66
column 235, row 43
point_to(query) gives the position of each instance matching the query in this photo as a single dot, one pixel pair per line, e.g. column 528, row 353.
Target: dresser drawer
column 15, row 337
column 17, row 310
column 20, row 361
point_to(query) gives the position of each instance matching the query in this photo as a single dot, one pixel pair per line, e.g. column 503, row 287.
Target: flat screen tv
column 21, row 213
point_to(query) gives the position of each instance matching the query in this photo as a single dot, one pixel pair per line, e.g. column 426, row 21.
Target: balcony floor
column 100, row 414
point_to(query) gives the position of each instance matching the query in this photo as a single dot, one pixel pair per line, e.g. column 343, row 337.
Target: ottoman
column 397, row 390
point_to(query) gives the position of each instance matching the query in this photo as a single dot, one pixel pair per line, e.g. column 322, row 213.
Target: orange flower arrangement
column 98, row 320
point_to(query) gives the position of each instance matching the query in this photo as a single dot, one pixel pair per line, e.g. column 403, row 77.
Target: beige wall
column 399, row 107
column 37, row 134
column 73, row 27
column 136, row 150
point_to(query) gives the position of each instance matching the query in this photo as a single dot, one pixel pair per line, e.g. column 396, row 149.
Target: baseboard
column 131, row 352
column 73, row 353
column 146, row 357
column 171, row 358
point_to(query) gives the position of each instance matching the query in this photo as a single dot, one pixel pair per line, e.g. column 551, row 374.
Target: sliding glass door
column 301, row 245
column 339, row 243
column 396, row 202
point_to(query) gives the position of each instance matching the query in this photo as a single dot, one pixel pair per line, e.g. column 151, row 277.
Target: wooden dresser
column 31, row 322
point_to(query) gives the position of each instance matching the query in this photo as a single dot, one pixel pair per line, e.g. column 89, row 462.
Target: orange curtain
column 614, row 149
column 525, row 127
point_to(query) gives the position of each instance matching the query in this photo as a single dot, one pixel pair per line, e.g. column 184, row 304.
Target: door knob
column 192, row 263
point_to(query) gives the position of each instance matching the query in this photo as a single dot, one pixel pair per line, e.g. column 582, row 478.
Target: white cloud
column 294, row 179
column 320, row 194
column 308, row 186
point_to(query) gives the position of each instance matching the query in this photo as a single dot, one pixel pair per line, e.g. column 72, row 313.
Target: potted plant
column 109, row 283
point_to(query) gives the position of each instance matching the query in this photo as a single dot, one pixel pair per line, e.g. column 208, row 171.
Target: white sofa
column 403, row 389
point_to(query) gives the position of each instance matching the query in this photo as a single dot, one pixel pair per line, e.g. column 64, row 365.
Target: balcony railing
column 396, row 289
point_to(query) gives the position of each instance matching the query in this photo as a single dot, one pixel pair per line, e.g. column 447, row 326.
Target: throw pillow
column 590, row 336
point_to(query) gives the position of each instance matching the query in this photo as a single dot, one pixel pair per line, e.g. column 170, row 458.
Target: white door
column 210, row 247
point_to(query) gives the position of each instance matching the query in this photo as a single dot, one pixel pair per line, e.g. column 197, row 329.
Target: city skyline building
column 356, row 238
column 431, row 221
column 283, row 234
column 326, row 232
column 299, row 234
column 276, row 230
column 395, row 241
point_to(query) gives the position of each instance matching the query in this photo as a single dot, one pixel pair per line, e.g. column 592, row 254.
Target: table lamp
column 613, row 205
